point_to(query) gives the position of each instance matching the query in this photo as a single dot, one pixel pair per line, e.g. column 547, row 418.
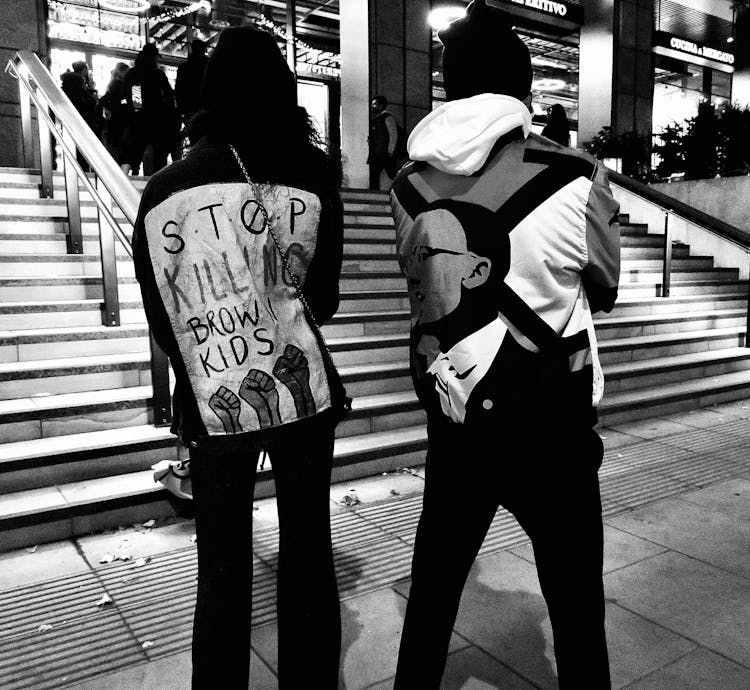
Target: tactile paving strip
column 372, row 548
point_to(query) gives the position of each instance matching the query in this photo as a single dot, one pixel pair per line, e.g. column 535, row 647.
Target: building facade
column 632, row 65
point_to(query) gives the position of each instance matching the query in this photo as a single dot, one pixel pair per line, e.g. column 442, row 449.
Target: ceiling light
column 730, row 39
column 441, row 17
column 544, row 62
column 548, row 84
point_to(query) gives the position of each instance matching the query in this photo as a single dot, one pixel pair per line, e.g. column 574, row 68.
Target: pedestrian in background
column 509, row 243
column 188, row 87
column 557, row 127
column 114, row 112
column 246, row 233
column 152, row 116
column 382, row 142
column 78, row 86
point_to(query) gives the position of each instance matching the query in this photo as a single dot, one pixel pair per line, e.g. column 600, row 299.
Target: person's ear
column 480, row 268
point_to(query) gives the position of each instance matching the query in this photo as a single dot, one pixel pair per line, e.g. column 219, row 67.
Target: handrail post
column 46, row 186
column 111, row 305
column 75, row 233
column 161, row 400
column 666, row 277
column 747, row 320
column 26, row 130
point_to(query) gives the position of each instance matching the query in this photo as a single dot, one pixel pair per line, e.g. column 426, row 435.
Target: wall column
column 741, row 50
column 24, row 27
column 395, row 65
column 633, row 68
column 355, row 87
column 400, row 58
column 595, row 69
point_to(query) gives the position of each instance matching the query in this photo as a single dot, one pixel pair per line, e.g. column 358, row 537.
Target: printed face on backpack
column 438, row 265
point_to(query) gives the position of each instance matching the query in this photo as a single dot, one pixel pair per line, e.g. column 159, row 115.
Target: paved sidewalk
column 675, row 491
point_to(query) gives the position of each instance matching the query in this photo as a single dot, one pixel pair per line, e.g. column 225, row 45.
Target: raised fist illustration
column 292, row 370
column 258, row 389
column 226, row 406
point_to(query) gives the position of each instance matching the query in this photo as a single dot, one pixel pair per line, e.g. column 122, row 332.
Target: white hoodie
column 457, row 137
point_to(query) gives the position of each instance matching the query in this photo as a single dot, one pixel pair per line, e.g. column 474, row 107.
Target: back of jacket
column 220, row 302
column 508, row 243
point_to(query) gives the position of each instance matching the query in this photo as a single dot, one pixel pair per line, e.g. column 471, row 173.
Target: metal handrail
column 112, row 185
column 117, row 183
column 670, row 206
column 679, row 208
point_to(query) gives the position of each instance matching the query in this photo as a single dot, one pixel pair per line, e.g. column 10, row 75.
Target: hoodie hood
column 457, row 137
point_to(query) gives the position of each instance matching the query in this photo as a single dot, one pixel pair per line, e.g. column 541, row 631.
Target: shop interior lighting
column 730, row 39
column 130, row 6
column 546, row 62
column 548, row 84
column 266, row 23
column 440, row 17
column 203, row 6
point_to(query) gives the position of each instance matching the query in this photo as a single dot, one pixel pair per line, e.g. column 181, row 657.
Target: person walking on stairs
column 509, row 243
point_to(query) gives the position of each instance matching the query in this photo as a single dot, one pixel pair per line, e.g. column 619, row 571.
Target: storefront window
column 313, row 96
column 62, row 60
column 678, row 90
column 679, row 87
column 554, row 59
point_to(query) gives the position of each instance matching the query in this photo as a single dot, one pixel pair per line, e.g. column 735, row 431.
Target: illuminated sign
column 318, row 70
column 683, row 45
column 547, row 6
column 552, row 8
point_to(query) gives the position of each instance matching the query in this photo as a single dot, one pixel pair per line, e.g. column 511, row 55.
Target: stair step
column 79, row 507
column 664, row 399
column 48, row 313
column 56, row 243
column 650, row 372
column 59, row 264
column 639, row 306
column 31, row 343
column 619, row 350
column 656, row 324
column 683, row 287
column 650, row 275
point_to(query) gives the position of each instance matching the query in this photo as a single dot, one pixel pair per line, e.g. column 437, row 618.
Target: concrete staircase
column 76, row 439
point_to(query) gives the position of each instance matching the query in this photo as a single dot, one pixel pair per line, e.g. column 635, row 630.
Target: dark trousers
column 378, row 164
column 547, row 477
column 309, row 620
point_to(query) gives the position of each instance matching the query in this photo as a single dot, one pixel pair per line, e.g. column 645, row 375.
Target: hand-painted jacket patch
column 252, row 359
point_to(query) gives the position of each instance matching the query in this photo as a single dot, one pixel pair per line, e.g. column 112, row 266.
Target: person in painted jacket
column 251, row 370
column 509, row 243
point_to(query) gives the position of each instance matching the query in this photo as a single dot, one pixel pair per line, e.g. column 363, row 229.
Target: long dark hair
column 557, row 127
column 249, row 100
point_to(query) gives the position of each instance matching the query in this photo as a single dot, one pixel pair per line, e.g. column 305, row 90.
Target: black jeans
column 309, row 620
column 547, row 477
column 379, row 163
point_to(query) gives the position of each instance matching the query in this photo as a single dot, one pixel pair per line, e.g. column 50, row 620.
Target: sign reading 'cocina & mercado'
column 684, row 45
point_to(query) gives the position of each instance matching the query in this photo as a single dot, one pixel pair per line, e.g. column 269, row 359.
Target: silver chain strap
column 284, row 259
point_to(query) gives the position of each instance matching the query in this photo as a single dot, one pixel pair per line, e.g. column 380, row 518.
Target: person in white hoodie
column 509, row 242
